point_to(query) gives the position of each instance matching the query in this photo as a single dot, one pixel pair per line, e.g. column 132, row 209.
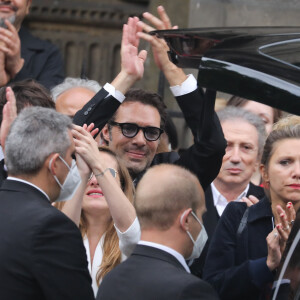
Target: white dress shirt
column 1, row 153
column 220, row 201
column 188, row 86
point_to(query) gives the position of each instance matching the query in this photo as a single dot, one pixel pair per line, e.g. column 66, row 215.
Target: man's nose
column 139, row 139
column 235, row 155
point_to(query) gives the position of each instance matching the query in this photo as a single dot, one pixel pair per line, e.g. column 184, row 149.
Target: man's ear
column 106, row 134
column 184, row 219
column 51, row 163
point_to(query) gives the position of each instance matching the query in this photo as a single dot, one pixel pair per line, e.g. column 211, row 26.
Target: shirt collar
column 220, row 202
column 29, row 183
column 169, row 250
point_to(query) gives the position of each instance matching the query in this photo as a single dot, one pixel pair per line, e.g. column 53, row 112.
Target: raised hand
column 4, row 76
column 287, row 218
column 11, row 46
column 9, row 114
column 132, row 61
column 160, row 49
column 274, row 253
column 85, row 145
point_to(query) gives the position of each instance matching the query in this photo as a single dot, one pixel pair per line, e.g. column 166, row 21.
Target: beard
column 11, row 19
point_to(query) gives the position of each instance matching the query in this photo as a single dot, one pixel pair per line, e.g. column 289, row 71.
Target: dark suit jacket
column 204, row 157
column 236, row 263
column 210, row 221
column 3, row 173
column 150, row 273
column 43, row 61
column 41, row 250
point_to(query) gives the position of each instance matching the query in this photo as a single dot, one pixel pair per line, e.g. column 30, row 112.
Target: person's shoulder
column 198, row 289
column 28, row 40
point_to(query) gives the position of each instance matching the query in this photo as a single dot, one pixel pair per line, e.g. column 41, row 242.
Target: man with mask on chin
column 22, row 55
column 41, row 250
column 169, row 204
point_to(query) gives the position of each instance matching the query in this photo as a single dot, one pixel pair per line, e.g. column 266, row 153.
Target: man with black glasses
column 132, row 127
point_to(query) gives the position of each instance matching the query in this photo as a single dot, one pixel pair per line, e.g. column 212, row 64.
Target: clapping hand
column 11, row 47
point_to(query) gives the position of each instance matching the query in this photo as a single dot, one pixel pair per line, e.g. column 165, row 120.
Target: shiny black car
column 258, row 63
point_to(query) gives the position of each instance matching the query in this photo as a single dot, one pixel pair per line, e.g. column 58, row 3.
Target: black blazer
column 43, row 61
column 236, row 263
column 204, row 157
column 150, row 273
column 210, row 221
column 41, row 250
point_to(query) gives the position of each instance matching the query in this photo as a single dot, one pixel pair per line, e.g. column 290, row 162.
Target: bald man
column 169, row 204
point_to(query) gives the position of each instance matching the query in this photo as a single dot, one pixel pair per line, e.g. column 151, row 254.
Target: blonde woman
column 102, row 207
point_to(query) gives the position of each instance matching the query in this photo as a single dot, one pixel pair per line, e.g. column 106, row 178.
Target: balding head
column 163, row 192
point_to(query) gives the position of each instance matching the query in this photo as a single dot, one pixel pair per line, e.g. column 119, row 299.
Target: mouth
column 294, row 186
column 234, row 171
column 136, row 154
column 96, row 193
column 7, row 8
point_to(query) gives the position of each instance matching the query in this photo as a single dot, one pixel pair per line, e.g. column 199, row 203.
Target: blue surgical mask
column 200, row 241
column 71, row 183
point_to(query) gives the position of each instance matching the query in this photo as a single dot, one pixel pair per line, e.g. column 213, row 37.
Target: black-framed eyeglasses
column 130, row 130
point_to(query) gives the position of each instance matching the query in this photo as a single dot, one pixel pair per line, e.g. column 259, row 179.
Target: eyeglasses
column 130, row 130
column 112, row 171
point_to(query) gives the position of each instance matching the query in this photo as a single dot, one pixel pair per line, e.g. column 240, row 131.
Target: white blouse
column 127, row 242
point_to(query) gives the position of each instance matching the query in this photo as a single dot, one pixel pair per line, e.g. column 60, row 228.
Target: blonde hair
column 111, row 251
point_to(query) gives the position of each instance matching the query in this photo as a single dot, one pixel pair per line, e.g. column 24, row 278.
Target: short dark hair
column 147, row 98
column 28, row 92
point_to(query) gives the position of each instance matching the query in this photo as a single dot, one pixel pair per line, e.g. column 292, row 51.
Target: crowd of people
column 94, row 206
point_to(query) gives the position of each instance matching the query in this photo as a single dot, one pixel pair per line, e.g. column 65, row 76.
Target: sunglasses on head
column 130, row 130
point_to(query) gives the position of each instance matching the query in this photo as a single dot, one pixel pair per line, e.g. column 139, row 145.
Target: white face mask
column 71, row 183
column 200, row 241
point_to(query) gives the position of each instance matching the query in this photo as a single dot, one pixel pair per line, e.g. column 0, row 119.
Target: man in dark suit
column 245, row 135
column 169, row 204
column 41, row 250
column 132, row 127
column 22, row 55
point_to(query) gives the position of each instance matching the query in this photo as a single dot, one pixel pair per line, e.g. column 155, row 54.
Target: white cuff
column 129, row 238
column 188, row 86
column 113, row 92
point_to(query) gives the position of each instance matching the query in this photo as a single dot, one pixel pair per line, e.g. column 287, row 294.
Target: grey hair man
column 73, row 93
column 41, row 249
column 169, row 203
column 245, row 134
